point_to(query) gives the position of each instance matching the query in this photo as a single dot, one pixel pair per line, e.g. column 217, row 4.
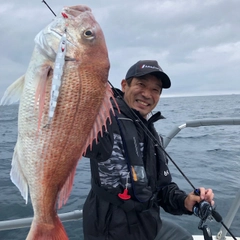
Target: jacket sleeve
column 169, row 196
column 171, row 199
column 101, row 149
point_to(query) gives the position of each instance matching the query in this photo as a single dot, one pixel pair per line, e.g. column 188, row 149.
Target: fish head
column 85, row 42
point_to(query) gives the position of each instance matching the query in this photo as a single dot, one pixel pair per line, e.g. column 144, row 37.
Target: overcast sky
column 196, row 42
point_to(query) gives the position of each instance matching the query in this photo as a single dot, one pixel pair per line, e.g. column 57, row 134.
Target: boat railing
column 199, row 123
column 26, row 222
column 77, row 214
column 211, row 122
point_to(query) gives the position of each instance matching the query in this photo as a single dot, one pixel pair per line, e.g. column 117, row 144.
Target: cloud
column 195, row 42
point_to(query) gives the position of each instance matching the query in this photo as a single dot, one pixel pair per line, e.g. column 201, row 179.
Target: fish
column 56, row 128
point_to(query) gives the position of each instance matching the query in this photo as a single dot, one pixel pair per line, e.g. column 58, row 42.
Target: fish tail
column 44, row 231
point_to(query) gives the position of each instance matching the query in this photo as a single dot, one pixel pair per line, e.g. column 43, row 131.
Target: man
column 130, row 175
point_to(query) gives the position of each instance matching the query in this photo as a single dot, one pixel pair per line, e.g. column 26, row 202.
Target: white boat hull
column 198, row 237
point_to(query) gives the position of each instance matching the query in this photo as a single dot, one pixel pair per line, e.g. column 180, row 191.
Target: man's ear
column 123, row 84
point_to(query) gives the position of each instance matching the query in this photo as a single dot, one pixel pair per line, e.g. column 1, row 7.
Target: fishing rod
column 203, row 210
column 49, row 8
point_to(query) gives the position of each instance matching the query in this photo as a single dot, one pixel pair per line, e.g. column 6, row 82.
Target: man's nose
column 146, row 93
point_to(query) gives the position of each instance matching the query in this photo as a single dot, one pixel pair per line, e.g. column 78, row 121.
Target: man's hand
column 192, row 199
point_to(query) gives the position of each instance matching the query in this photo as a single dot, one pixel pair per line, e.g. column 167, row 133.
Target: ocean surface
column 209, row 157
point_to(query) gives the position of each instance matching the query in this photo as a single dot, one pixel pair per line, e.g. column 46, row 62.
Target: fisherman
column 130, row 175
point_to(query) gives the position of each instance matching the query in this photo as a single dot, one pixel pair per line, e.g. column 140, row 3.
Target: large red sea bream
column 64, row 102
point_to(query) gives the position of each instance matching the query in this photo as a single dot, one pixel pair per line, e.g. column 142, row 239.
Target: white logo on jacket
column 166, row 173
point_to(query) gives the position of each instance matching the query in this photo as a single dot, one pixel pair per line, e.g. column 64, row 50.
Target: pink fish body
column 46, row 153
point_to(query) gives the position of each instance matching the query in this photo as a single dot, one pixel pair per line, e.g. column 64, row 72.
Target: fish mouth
column 60, row 35
column 68, row 41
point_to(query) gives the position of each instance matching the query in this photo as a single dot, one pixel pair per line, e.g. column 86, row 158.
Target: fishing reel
column 204, row 211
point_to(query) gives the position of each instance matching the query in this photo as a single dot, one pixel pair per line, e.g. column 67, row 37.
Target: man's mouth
column 142, row 103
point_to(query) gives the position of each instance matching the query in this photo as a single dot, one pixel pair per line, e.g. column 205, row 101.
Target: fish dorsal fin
column 101, row 119
column 13, row 92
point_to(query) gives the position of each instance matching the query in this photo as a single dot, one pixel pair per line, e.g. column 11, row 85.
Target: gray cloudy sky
column 196, row 42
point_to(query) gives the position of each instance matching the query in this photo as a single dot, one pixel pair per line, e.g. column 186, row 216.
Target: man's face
column 143, row 93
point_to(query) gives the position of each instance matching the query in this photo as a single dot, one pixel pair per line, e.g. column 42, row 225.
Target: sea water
column 208, row 156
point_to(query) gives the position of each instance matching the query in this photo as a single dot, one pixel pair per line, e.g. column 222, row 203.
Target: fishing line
column 65, row 16
column 145, row 129
column 49, row 8
column 215, row 215
column 213, row 212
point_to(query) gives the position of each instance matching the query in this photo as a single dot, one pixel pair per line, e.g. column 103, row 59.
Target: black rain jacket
column 104, row 220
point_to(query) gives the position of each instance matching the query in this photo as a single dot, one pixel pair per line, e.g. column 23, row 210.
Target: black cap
column 144, row 67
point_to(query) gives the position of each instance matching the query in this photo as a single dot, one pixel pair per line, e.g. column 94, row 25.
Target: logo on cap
column 149, row 66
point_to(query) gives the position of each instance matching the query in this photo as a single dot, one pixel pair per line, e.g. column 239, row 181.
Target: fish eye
column 88, row 33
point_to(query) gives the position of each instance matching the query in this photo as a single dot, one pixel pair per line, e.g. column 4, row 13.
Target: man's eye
column 156, row 90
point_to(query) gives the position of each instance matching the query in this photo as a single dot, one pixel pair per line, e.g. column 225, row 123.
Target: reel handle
column 207, row 233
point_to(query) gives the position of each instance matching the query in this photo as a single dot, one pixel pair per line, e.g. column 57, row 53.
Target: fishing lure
column 57, row 76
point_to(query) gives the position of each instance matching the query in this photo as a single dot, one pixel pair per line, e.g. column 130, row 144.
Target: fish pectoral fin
column 13, row 92
column 41, row 91
column 18, row 177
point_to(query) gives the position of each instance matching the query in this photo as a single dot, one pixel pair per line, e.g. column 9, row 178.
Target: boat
column 226, row 222
column 235, row 205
